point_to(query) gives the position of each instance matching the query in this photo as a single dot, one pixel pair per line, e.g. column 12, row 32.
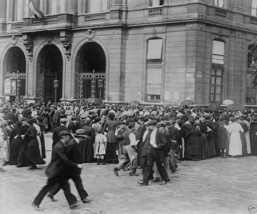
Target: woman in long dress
column 253, row 135
column 110, row 127
column 235, row 143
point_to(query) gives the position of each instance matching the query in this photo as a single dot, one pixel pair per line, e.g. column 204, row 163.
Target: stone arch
column 22, row 65
column 46, row 73
column 76, row 52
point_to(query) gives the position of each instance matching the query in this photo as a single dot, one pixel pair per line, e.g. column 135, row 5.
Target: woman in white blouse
column 235, row 143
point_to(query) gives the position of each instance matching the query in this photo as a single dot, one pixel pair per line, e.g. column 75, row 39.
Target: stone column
column 3, row 15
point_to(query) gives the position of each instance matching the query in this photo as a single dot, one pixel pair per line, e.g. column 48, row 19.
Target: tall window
column 154, row 70
column 96, row 6
column 52, row 6
column 155, row 3
column 254, row 8
column 220, row 3
column 17, row 10
column 218, row 52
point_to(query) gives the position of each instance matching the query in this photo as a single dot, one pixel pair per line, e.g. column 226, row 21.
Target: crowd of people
column 153, row 138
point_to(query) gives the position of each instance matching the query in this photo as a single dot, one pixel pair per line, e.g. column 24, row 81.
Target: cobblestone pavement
column 210, row 186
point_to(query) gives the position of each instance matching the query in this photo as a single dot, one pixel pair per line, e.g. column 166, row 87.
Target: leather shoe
column 142, row 183
column 115, row 170
column 133, row 174
column 157, row 180
column 36, row 207
column 164, row 182
column 87, row 200
column 74, row 206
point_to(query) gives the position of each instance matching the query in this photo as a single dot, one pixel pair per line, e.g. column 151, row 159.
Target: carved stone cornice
column 28, row 43
column 90, row 34
column 65, row 39
column 14, row 40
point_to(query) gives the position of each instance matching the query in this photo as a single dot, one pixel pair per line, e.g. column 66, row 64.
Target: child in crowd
column 100, row 145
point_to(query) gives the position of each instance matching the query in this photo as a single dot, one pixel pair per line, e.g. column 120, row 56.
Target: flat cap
column 64, row 133
column 151, row 123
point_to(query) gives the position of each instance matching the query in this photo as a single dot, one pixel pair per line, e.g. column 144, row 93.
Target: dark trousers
column 156, row 156
column 78, row 183
column 49, row 185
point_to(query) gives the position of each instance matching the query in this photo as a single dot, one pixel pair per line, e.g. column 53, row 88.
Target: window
column 154, row 70
column 96, row 6
column 17, row 10
column 216, row 84
column 220, row 3
column 156, row 3
column 218, row 50
column 53, row 6
column 254, row 8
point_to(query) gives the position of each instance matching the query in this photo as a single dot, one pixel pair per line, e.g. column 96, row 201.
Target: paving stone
column 210, row 186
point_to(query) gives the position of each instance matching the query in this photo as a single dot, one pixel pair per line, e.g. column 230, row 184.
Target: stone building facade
column 161, row 51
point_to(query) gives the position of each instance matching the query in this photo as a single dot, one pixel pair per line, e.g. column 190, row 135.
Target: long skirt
column 15, row 147
column 111, row 152
column 33, row 155
column 248, row 144
column 43, row 147
column 235, row 144
column 205, row 147
column 211, row 143
column 244, row 146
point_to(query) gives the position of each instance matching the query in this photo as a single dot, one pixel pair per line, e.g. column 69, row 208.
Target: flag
column 36, row 11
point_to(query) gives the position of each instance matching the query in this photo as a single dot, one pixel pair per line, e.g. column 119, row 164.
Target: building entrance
column 50, row 68
column 91, row 71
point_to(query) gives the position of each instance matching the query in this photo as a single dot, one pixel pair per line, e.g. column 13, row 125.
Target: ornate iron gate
column 92, row 85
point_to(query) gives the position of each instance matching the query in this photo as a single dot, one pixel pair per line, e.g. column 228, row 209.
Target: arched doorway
column 49, row 69
column 91, row 71
column 14, row 73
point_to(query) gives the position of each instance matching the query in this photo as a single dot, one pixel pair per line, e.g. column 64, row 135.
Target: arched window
column 218, row 56
column 155, row 3
column 154, row 70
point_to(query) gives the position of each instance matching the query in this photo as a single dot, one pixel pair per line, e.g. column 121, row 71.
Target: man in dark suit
column 153, row 151
column 74, row 154
column 139, row 136
column 58, row 129
column 57, row 172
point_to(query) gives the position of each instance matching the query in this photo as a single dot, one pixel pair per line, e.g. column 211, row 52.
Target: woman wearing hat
column 90, row 132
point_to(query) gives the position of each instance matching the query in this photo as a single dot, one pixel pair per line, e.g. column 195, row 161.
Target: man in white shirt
column 128, row 152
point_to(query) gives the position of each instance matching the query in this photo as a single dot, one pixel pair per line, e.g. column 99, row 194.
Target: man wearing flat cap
column 57, row 130
column 128, row 151
column 153, row 152
column 58, row 172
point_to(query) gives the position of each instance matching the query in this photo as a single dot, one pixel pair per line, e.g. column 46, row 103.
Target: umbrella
column 227, row 102
column 94, row 100
column 235, row 107
column 134, row 103
column 214, row 107
column 187, row 102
